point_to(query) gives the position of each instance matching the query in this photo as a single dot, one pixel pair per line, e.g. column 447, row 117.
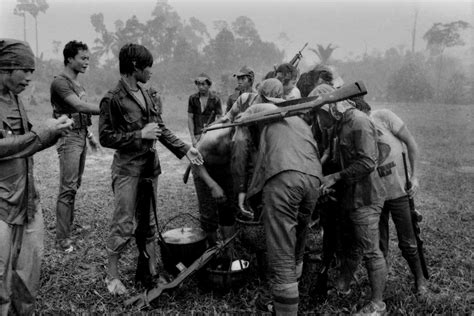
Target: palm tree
column 324, row 54
column 33, row 7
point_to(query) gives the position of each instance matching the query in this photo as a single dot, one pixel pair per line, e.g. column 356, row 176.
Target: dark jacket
column 282, row 146
column 120, row 123
column 357, row 152
column 211, row 111
column 18, row 195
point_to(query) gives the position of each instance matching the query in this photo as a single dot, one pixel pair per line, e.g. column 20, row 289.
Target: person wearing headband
column 21, row 217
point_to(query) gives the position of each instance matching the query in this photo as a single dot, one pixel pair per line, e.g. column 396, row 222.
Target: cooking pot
column 181, row 246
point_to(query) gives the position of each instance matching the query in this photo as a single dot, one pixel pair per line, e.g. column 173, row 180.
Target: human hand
column 93, row 144
column 151, row 131
column 243, row 210
column 194, row 156
column 218, row 194
column 415, row 185
column 60, row 125
column 328, row 182
column 195, row 139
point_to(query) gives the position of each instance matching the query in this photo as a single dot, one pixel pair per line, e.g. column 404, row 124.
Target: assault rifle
column 415, row 219
column 143, row 300
column 296, row 107
column 296, row 59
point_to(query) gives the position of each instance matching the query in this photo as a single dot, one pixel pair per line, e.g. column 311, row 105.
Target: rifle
column 415, row 219
column 296, row 59
column 297, row 106
column 144, row 299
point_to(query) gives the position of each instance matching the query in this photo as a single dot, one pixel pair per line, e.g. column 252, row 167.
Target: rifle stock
column 298, row 106
column 144, row 299
column 415, row 219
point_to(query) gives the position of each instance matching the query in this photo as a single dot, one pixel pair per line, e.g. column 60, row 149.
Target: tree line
column 184, row 48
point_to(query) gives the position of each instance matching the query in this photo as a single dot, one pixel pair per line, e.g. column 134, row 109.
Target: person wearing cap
column 21, row 217
column 245, row 79
column 393, row 135
column 362, row 196
column 204, row 107
column 288, row 74
column 130, row 122
column 286, row 181
column 68, row 97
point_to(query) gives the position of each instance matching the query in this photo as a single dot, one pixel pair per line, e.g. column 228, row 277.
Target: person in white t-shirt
column 394, row 136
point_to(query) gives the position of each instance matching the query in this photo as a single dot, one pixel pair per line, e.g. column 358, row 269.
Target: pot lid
column 184, row 235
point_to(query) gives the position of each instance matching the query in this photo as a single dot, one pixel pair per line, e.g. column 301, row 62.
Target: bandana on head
column 335, row 109
column 15, row 54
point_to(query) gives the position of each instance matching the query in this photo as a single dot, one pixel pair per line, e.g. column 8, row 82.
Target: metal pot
column 180, row 247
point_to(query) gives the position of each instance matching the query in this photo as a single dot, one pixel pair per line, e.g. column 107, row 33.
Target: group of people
column 283, row 168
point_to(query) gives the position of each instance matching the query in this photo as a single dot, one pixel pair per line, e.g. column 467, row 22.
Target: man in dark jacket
column 362, row 195
column 130, row 122
column 21, row 218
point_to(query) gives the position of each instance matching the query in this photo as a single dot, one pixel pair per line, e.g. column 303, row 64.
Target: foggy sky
column 354, row 26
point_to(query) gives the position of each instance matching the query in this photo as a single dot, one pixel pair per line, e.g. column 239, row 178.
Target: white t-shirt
column 293, row 94
column 390, row 165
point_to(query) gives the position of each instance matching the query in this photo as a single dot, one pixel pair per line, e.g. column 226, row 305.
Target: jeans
column 288, row 201
column 133, row 211
column 20, row 281
column 72, row 150
column 364, row 244
column 401, row 216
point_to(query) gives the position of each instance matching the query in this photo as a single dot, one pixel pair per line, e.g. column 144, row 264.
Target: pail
column 181, row 246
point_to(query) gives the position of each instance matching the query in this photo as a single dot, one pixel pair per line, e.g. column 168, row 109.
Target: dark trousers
column 400, row 210
column 72, row 150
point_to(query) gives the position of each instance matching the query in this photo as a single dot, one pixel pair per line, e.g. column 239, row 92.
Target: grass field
column 74, row 283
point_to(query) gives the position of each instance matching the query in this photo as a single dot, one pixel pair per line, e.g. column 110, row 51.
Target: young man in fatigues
column 245, row 79
column 21, row 218
column 130, row 122
column 68, row 98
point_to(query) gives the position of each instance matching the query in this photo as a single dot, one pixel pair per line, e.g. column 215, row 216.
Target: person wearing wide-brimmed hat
column 245, row 79
column 204, row 107
column 21, row 218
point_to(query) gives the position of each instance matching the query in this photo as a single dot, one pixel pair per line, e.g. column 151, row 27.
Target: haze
column 354, row 26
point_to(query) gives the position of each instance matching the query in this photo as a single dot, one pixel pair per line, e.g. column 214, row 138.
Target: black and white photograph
column 236, row 157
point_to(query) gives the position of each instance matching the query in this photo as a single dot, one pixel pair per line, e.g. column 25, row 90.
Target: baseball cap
column 245, row 71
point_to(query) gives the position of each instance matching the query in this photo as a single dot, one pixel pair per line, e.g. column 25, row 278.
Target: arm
column 81, row 106
column 170, row 141
column 364, row 140
column 62, row 90
column 406, row 137
column 20, row 146
column 194, row 140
